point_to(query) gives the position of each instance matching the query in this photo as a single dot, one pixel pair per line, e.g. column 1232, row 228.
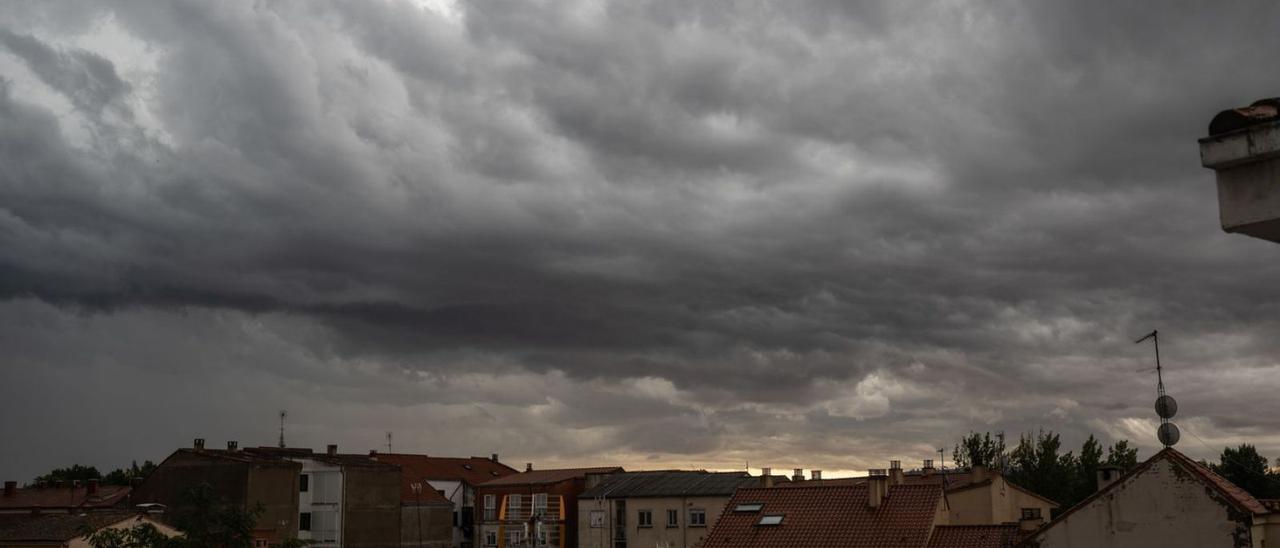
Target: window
column 304, row 521
column 540, row 504
column 490, row 509
column 1030, row 513
column 749, row 507
column 697, row 517
column 304, row 483
column 770, row 519
column 490, row 538
column 673, row 518
column 513, row 538
column 260, row 543
column 514, row 505
column 644, row 518
column 597, row 519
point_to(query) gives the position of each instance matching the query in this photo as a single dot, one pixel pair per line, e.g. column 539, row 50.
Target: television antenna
column 388, row 441
column 283, row 414
column 1166, row 406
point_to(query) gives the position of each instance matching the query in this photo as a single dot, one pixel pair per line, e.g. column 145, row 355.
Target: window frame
column 702, row 521
column 673, row 518
column 304, row 483
column 304, row 521
column 644, row 519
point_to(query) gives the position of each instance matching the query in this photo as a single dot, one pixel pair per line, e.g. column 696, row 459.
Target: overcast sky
column 647, row 233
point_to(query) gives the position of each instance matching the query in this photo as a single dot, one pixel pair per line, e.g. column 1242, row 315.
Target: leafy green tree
column 980, row 450
column 1087, row 468
column 1122, row 456
column 1037, row 464
column 123, row 476
column 72, row 473
column 142, row 535
column 1244, row 467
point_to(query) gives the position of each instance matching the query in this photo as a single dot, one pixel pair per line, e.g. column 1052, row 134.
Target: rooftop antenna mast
column 1166, row 406
column 388, row 441
column 283, row 414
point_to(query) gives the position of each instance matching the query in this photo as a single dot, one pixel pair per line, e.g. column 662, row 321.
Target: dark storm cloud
column 671, row 228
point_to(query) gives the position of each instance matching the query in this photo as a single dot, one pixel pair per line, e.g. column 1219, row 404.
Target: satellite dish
column 1168, row 434
column 1166, row 407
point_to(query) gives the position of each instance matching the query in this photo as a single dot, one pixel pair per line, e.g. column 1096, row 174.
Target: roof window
column 749, row 507
column 770, row 519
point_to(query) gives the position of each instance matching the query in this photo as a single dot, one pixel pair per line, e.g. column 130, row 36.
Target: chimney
column 895, row 472
column 877, row 487
column 331, row 450
column 10, row 487
column 493, row 457
column 528, row 467
column 816, row 474
column 93, row 487
column 373, row 452
column 979, row 473
column 927, row 470
column 198, row 444
column 766, row 477
column 1108, row 475
column 232, row 446
column 797, row 474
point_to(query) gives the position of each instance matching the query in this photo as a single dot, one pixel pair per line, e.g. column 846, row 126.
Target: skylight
column 770, row 519
column 749, row 507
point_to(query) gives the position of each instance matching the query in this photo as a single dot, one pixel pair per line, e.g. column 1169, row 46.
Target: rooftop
column 974, row 536
column 670, row 483
column 828, row 516
column 60, row 527
column 335, row 459
column 543, row 477
column 1230, row 492
column 469, row 470
column 64, row 497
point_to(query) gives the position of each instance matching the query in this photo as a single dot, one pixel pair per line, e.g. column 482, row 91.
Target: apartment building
column 453, row 478
column 535, row 508
column 660, row 509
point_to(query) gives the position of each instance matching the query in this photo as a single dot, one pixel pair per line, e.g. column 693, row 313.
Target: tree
column 1087, row 468
column 1122, row 456
column 980, row 450
column 1036, row 464
column 123, row 476
column 72, row 473
column 1244, row 467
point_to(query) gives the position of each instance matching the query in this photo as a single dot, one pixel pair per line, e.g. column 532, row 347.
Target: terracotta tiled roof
column 833, row 482
column 470, row 470
column 59, row 527
column 1260, row 112
column 829, row 517
column 974, row 536
column 1241, row 498
column 64, row 497
column 542, row 477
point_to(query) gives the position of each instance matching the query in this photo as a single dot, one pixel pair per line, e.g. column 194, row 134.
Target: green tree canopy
column 979, row 450
column 75, row 472
column 1244, row 467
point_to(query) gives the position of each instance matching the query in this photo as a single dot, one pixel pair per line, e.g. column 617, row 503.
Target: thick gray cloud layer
column 649, row 233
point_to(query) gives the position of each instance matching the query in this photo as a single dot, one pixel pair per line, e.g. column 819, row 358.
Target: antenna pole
column 283, row 414
column 1160, row 395
column 389, row 442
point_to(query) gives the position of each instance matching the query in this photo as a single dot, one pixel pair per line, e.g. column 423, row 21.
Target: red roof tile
column 64, row 497
column 470, row 470
column 974, row 536
column 542, row 477
column 829, row 516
